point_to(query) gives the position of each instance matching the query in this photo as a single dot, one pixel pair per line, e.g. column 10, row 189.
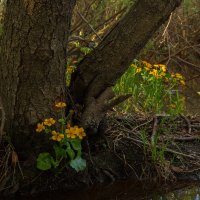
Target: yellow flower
column 173, row 75
column 133, row 65
column 182, row 82
column 49, row 122
column 156, row 65
column 147, row 64
column 40, row 127
column 71, row 132
column 147, row 68
column 163, row 67
column 60, row 104
column 138, row 70
column 162, row 74
column 154, row 72
column 81, row 133
column 178, row 76
column 56, row 136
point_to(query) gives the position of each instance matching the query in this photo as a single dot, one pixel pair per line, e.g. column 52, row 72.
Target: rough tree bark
column 32, row 65
column 98, row 72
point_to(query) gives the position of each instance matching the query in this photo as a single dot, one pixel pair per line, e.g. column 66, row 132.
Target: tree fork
column 99, row 70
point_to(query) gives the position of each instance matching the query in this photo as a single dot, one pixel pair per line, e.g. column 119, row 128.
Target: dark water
column 127, row 190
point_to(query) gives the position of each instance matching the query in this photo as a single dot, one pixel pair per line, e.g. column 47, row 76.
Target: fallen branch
column 178, row 153
column 185, row 139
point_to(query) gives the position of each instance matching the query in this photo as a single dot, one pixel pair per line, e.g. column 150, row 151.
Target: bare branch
column 116, row 101
column 85, row 20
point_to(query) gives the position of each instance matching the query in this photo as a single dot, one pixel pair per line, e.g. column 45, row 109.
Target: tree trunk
column 98, row 72
column 33, row 61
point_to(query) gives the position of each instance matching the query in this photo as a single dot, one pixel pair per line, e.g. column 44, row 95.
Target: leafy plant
column 66, row 142
column 153, row 89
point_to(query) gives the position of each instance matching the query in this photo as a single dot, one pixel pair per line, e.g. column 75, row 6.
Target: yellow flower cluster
column 161, row 67
column 157, row 73
column 157, row 70
column 69, row 132
column 47, row 122
column 56, row 136
column 148, row 65
column 179, row 78
column 60, row 104
column 73, row 132
column 138, row 70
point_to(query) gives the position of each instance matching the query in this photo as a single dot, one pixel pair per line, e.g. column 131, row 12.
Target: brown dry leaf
column 176, row 169
column 14, row 158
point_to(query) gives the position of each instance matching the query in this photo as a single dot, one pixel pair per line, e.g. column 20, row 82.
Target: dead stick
column 85, row 20
column 178, row 153
column 184, row 139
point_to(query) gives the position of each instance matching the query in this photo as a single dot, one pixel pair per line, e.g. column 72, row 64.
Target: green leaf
column 44, row 161
column 85, row 50
column 47, row 130
column 71, row 153
column 76, row 144
column 55, row 163
column 59, row 151
column 62, row 121
column 79, row 164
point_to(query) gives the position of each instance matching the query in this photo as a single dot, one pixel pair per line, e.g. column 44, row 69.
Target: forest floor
column 143, row 148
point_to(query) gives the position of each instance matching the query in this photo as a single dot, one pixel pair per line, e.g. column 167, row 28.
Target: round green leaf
column 44, row 161
column 79, row 164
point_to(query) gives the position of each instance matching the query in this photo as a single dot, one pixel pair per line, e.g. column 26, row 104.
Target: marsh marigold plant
column 153, row 88
column 66, row 142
